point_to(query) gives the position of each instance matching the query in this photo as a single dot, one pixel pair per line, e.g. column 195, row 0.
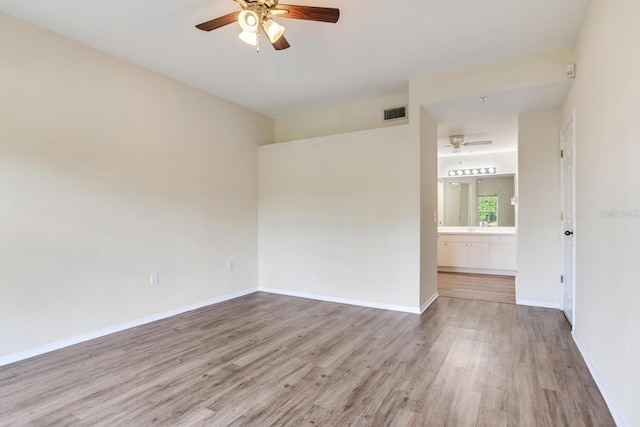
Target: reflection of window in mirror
column 458, row 205
column 487, row 212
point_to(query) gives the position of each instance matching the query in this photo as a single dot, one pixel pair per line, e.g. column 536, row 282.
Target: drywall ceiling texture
column 110, row 173
column 607, row 233
column 339, row 218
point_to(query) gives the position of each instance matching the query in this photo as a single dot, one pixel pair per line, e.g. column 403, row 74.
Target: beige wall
column 428, row 209
column 533, row 70
column 338, row 120
column 538, row 278
column 605, row 97
column 109, row 173
column 339, row 217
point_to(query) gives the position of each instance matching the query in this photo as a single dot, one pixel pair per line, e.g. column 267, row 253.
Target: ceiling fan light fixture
column 249, row 20
column 272, row 29
column 257, row 14
column 249, row 37
column 456, row 139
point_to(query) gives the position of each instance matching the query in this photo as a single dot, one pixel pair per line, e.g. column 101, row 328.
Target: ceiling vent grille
column 395, row 113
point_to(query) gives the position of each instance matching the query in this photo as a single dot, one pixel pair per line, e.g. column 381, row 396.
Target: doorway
column 477, row 257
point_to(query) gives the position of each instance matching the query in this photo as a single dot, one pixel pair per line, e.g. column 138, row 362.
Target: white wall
column 109, row 173
column 339, row 216
column 428, row 208
column 338, row 120
column 605, row 96
column 538, row 278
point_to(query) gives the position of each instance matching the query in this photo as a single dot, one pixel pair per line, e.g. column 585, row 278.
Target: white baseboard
column 618, row 418
column 543, row 304
column 26, row 354
column 349, row 301
column 428, row 302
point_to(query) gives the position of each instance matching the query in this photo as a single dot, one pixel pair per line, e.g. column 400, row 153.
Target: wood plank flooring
column 265, row 359
column 483, row 287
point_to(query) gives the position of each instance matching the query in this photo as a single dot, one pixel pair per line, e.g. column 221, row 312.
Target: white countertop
column 476, row 230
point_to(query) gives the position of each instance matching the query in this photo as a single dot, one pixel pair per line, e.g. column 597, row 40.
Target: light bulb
column 249, row 38
column 273, row 30
column 248, row 21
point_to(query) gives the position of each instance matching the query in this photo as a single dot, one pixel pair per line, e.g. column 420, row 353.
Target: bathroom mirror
column 479, row 201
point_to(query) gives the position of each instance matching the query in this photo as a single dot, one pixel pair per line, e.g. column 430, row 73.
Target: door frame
column 571, row 121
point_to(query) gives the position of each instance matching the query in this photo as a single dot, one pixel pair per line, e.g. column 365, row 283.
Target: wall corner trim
column 428, row 302
column 26, row 354
column 618, row 417
column 543, row 304
column 361, row 303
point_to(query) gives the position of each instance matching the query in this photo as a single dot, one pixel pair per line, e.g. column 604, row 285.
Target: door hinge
column 562, row 154
column 561, row 278
column 561, row 216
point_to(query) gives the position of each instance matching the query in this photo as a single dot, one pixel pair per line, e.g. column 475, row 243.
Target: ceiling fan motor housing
column 456, row 139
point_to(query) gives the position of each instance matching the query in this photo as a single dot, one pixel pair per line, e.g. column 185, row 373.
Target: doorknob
column 568, row 233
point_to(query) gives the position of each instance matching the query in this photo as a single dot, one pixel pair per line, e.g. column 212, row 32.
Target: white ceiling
column 371, row 53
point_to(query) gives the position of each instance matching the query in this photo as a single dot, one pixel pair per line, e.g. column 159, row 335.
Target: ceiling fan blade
column 281, row 44
column 310, row 13
column 219, row 22
column 477, row 142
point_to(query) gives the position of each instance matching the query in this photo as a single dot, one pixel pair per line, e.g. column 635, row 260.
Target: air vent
column 395, row 113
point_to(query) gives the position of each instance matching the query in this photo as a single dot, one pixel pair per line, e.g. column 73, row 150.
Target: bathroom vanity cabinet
column 477, row 252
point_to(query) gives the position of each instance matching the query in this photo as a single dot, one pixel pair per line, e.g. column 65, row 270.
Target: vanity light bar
column 474, row 171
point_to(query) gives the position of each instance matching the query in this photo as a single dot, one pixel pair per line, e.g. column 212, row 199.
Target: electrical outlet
column 232, row 266
column 154, row 279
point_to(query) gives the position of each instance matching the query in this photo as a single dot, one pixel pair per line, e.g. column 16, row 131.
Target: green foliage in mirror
column 487, row 210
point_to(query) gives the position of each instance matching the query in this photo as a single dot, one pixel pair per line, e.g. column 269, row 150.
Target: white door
column 567, row 218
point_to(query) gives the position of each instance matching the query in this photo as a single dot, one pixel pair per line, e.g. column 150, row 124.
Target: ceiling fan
column 457, row 142
column 256, row 14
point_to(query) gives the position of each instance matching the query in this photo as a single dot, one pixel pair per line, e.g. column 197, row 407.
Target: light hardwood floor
column 266, row 359
column 483, row 287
